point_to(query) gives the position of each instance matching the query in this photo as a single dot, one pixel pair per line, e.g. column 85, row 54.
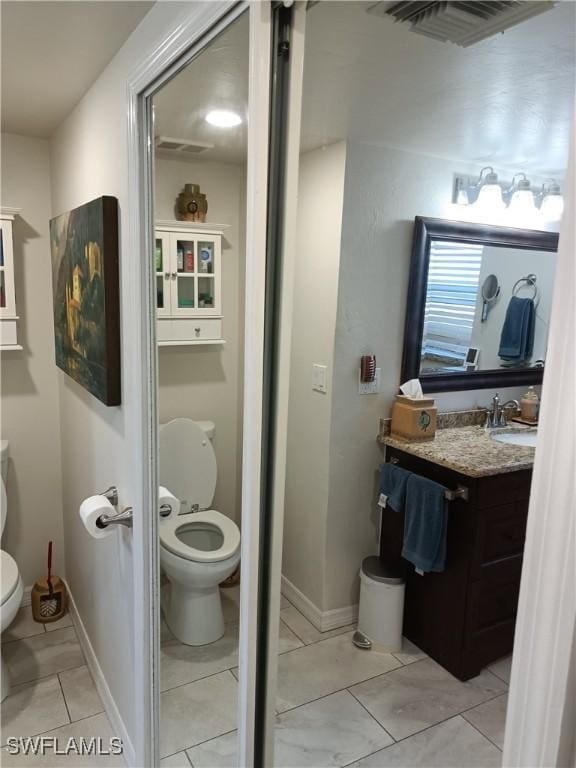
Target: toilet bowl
column 199, row 546
column 11, row 587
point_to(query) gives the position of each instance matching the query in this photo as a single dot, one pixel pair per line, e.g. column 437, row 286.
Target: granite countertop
column 469, row 450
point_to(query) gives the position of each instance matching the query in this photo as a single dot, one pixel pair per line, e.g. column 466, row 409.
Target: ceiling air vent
column 463, row 22
column 181, row 146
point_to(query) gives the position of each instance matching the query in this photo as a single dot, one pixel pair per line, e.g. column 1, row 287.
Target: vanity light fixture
column 516, row 200
column 552, row 205
column 490, row 193
column 522, row 206
column 223, row 118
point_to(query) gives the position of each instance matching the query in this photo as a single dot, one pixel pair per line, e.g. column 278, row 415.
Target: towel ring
column 530, row 280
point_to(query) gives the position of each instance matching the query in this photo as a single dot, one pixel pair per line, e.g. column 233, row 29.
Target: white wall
column 89, row 159
column 320, row 194
column 206, row 382
column 30, row 406
column 509, row 265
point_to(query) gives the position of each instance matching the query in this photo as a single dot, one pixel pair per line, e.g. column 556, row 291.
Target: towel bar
column 460, row 492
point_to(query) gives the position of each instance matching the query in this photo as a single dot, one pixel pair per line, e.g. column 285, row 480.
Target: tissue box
column 413, row 418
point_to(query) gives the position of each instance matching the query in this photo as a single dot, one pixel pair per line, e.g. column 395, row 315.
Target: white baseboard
column 118, row 726
column 322, row 620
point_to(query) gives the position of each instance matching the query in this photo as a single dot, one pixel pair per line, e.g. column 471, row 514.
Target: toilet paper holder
column 122, row 518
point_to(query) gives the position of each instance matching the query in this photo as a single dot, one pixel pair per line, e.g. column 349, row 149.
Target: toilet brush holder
column 49, row 596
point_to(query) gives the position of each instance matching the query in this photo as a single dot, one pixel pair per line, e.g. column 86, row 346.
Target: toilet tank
column 208, row 428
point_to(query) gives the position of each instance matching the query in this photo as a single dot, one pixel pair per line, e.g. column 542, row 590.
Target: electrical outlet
column 369, row 387
column 319, row 376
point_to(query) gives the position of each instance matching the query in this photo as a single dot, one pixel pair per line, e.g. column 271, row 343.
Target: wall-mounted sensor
column 367, row 368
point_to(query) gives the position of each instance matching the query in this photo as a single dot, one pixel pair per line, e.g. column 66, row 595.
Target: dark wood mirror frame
column 426, row 230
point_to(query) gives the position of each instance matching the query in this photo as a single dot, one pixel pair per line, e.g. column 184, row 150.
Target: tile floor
column 336, row 705
column 52, row 694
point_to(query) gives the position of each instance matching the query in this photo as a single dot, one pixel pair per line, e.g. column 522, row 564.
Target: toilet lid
column 9, row 576
column 174, row 530
column 187, row 463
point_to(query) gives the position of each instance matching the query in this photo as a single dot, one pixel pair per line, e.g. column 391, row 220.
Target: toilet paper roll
column 90, row 510
column 166, row 498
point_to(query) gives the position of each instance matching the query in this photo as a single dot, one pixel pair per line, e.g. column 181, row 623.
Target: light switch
column 369, row 387
column 319, row 378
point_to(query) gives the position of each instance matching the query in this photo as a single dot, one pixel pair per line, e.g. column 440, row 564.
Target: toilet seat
column 10, row 576
column 229, row 530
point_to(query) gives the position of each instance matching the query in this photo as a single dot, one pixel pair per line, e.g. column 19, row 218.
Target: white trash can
column 381, row 609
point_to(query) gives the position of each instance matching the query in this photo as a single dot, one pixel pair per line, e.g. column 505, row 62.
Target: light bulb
column 552, row 207
column 490, row 197
column 223, row 118
column 522, row 209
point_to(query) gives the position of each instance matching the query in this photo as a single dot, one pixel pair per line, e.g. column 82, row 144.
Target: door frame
column 198, row 27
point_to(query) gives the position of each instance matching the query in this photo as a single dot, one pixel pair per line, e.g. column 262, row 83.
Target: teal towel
column 517, row 339
column 393, row 482
column 425, row 524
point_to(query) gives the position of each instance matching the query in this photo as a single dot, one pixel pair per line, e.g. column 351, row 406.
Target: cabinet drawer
column 494, row 598
column 189, row 329
column 501, row 533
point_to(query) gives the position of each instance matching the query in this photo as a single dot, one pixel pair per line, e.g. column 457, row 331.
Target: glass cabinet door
column 194, row 275
column 163, row 272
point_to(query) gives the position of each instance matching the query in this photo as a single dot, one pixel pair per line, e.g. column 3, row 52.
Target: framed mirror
column 478, row 305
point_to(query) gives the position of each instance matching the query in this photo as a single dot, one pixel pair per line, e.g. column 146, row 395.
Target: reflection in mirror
column 471, row 321
column 478, row 304
column 199, row 257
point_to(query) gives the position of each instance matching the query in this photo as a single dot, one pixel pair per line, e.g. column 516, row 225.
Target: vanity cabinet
column 464, row 617
column 188, row 260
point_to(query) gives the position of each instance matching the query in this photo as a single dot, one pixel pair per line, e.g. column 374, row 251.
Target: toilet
column 199, row 547
column 11, row 587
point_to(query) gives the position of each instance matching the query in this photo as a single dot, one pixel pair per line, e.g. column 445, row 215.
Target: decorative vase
column 191, row 204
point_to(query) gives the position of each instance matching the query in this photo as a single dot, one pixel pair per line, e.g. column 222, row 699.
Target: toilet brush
column 49, row 596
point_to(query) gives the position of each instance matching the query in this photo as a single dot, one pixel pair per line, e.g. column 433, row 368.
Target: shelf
column 191, row 343
column 10, row 348
column 196, row 226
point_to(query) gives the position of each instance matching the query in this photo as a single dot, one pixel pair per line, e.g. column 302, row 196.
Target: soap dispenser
column 530, row 406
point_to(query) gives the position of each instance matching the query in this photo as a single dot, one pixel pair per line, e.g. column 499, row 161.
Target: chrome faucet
column 496, row 414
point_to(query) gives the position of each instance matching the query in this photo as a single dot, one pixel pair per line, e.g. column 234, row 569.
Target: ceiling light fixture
column 223, row 118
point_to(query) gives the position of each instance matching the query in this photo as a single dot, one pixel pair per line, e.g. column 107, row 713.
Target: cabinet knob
column 174, row 275
column 197, row 330
column 166, row 275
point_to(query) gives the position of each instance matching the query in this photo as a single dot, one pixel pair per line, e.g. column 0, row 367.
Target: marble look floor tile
column 333, row 731
column 329, row 732
column 42, row 655
column 22, row 626
column 216, row 753
column 409, row 652
column 284, row 602
column 317, row 670
column 80, row 693
column 453, row 744
column 287, row 640
column 305, row 630
column 180, row 664
column 502, row 668
column 165, row 635
column 97, row 727
column 197, row 712
column 65, row 621
column 33, row 708
column 490, row 719
column 419, row 695
column 179, row 760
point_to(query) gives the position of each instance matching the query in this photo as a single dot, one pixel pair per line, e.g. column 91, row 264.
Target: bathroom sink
column 525, row 439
